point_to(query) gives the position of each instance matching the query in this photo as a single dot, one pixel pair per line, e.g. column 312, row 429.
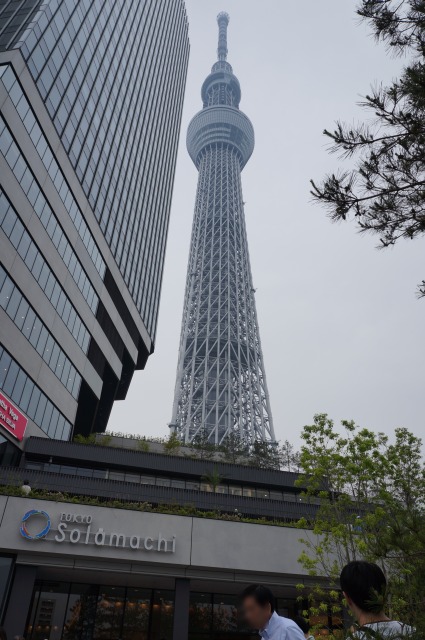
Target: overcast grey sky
column 341, row 328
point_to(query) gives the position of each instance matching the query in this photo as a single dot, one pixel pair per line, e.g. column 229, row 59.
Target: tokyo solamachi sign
column 12, row 419
column 79, row 529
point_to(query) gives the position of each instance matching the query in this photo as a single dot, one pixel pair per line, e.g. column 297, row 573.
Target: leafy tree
column 235, row 447
column 80, row 439
column 213, row 478
column 266, row 455
column 290, row 458
column 173, row 444
column 372, row 506
column 143, row 445
column 385, row 192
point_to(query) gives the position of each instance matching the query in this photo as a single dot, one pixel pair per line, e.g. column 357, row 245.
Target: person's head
column 258, row 605
column 26, row 483
column 303, row 625
column 364, row 587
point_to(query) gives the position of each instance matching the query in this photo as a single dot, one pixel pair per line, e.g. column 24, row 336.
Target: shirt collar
column 270, row 626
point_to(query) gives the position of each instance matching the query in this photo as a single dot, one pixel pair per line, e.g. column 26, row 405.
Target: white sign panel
column 60, row 528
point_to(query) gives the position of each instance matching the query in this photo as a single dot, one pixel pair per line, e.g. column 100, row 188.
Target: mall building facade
column 163, row 559
column 91, row 96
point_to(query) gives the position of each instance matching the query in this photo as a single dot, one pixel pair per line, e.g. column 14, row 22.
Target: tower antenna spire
column 223, row 20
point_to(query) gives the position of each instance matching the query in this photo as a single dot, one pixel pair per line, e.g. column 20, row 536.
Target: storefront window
column 6, row 564
column 200, row 612
column 162, row 615
column 48, row 611
column 80, row 612
column 225, row 613
column 109, row 613
column 64, row 611
column 72, row 611
column 215, row 617
column 137, row 614
column 287, row 607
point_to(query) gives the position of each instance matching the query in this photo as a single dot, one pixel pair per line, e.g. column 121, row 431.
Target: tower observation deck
column 221, row 384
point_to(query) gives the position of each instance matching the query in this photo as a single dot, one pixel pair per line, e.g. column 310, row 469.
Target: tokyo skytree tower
column 221, row 383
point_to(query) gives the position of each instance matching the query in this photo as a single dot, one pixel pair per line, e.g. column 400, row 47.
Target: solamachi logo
column 45, row 522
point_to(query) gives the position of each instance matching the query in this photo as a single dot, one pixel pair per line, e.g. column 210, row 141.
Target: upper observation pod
column 220, row 121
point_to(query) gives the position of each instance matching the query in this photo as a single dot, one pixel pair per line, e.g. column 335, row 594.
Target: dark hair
column 3, row 635
column 365, row 584
column 302, row 623
column 262, row 595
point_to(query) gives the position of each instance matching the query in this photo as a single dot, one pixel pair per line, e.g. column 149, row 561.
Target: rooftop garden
column 144, row 507
column 234, row 449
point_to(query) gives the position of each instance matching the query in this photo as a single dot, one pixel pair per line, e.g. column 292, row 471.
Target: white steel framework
column 221, row 383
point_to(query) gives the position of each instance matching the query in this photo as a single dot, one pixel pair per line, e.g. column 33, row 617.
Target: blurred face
column 256, row 615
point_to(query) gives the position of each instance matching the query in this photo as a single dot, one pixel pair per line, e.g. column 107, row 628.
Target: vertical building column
column 181, row 609
column 17, row 608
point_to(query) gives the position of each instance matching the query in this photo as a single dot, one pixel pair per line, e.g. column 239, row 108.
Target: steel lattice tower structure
column 221, row 383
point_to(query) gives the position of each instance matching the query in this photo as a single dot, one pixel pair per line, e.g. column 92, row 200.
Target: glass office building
column 91, row 95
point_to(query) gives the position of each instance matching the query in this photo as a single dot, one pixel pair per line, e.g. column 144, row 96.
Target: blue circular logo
column 36, row 536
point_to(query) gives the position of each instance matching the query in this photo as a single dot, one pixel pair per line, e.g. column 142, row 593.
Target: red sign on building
column 12, row 419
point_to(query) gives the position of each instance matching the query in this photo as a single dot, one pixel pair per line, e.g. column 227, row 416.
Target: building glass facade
column 112, row 78
column 14, row 158
column 37, row 334
column 20, row 239
column 91, row 96
column 26, row 113
column 28, row 396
